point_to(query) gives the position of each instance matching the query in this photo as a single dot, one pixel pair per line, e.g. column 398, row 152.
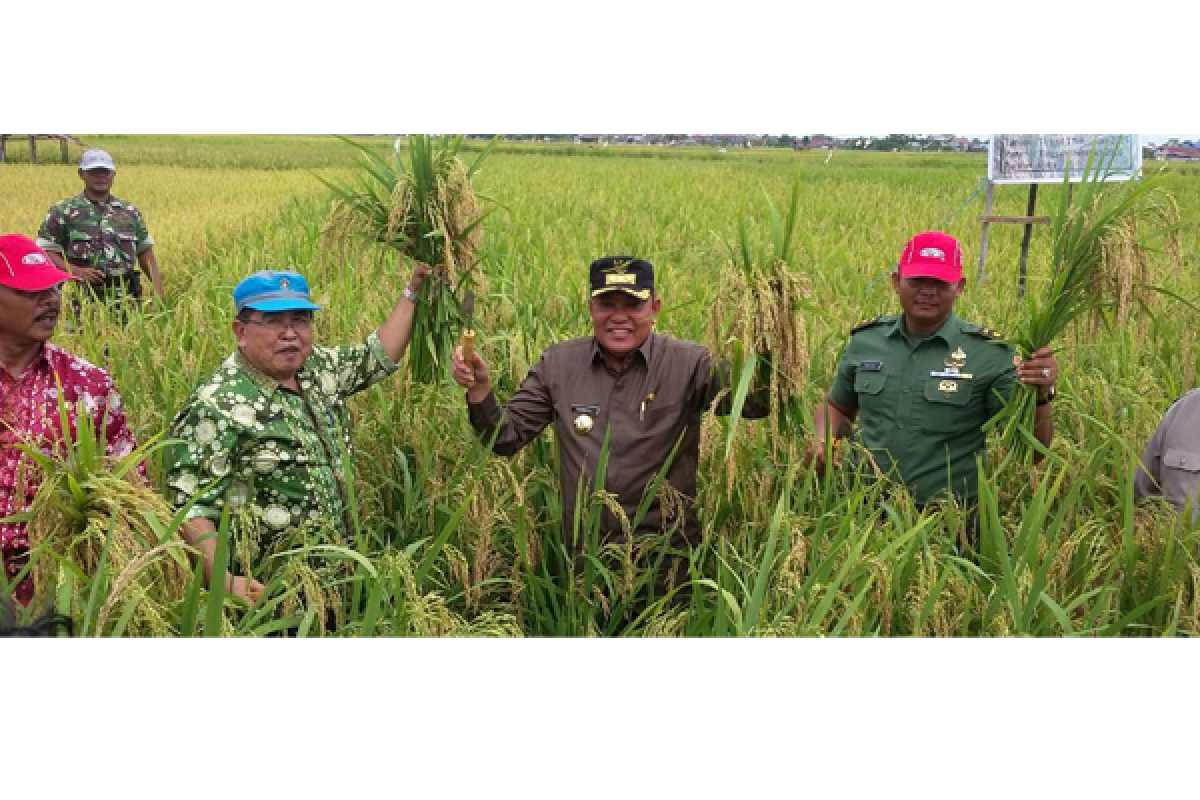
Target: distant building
column 1181, row 153
column 822, row 143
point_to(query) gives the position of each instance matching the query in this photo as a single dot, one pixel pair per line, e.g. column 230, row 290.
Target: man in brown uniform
column 644, row 392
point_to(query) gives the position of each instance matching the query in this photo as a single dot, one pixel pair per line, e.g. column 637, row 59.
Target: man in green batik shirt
column 269, row 432
column 922, row 384
column 99, row 237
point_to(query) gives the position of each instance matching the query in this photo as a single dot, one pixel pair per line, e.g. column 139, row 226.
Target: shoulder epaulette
column 882, row 319
column 990, row 334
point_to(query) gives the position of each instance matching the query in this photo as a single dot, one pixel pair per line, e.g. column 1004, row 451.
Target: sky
column 1147, row 138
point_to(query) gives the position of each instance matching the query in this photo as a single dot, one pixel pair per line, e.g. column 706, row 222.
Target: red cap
column 932, row 254
column 26, row 267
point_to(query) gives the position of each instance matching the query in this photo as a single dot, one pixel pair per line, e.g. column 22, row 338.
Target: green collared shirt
column 105, row 236
column 922, row 400
column 250, row 443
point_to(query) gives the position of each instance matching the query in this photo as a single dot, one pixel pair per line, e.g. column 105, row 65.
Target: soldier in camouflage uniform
column 268, row 433
column 99, row 237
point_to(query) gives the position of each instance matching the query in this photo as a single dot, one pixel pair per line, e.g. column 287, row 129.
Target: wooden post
column 3, row 142
column 63, row 142
column 983, row 241
column 32, row 149
column 1025, row 239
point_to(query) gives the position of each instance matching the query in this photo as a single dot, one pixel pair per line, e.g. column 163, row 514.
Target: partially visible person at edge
column 642, row 390
column 922, row 384
column 32, row 371
column 100, row 238
column 1170, row 465
column 269, row 432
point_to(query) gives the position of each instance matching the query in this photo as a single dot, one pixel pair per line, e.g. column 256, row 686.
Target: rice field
column 453, row 541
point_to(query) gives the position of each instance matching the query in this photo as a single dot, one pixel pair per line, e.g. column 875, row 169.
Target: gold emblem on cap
column 584, row 424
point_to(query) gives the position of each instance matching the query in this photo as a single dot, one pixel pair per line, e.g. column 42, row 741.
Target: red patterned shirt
column 29, row 414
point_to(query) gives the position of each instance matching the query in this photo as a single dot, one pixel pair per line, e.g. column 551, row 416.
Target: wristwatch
column 1045, row 399
column 410, row 295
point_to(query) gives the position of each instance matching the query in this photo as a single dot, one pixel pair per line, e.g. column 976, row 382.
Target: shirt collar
column 644, row 351
column 40, row 362
column 111, row 202
column 944, row 332
column 262, row 380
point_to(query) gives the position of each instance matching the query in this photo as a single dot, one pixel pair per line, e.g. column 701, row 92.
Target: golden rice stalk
column 310, row 589
column 428, row 614
column 1127, row 267
column 766, row 317
column 75, row 523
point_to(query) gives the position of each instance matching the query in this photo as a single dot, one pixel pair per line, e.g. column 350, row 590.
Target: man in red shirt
column 31, row 372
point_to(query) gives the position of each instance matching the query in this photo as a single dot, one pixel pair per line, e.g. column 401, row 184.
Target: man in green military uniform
column 269, row 432
column 100, row 238
column 922, row 384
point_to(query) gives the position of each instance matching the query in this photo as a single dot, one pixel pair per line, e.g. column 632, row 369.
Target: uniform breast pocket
column 661, row 418
column 1180, row 474
column 948, row 404
column 83, row 242
column 869, row 387
column 128, row 243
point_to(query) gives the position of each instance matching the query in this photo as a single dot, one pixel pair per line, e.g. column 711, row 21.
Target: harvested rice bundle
column 99, row 522
column 426, row 209
column 1090, row 230
column 766, row 297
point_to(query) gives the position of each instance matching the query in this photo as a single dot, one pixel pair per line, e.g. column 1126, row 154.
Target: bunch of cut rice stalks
column 105, row 540
column 1097, row 265
column 428, row 210
column 760, row 323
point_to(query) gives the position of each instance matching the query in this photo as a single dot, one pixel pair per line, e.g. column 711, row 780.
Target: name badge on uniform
column 870, row 366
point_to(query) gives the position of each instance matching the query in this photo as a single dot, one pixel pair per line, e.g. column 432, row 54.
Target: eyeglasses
column 280, row 322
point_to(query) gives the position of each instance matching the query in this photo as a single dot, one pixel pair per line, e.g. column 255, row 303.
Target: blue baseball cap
column 273, row 291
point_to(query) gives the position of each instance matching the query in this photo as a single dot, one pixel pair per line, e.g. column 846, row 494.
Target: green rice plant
column 99, row 524
column 427, row 210
column 840, row 554
column 1089, row 223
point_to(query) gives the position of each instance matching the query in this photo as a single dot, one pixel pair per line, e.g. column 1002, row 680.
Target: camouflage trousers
column 118, row 294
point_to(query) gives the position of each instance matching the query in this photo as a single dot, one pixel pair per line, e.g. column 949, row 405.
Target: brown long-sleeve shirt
column 658, row 396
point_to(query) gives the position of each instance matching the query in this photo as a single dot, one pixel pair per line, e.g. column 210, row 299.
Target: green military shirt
column 922, row 400
column 250, row 443
column 104, row 236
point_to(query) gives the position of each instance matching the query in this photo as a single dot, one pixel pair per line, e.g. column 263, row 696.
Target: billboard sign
column 1045, row 157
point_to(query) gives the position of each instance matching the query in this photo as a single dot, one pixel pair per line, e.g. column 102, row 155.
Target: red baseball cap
column 932, row 254
column 26, row 267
